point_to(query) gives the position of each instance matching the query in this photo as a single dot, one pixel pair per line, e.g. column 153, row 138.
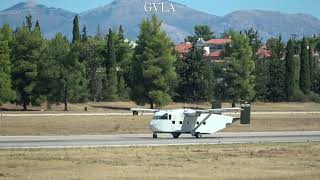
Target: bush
column 299, row 96
column 314, row 97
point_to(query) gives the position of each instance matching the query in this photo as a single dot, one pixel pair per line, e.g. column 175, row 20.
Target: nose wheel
column 176, row 135
column 155, row 136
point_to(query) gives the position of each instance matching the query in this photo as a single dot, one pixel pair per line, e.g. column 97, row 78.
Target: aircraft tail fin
column 245, row 112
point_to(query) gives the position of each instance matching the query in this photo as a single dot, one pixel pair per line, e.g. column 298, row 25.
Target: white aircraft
column 193, row 121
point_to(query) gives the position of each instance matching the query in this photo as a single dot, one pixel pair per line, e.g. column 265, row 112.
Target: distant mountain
column 271, row 23
column 130, row 13
column 178, row 24
column 50, row 18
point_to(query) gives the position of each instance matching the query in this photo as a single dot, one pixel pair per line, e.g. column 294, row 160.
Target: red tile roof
column 215, row 54
column 183, row 47
column 263, row 51
column 219, row 41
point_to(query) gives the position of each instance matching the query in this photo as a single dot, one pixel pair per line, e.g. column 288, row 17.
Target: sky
column 216, row 7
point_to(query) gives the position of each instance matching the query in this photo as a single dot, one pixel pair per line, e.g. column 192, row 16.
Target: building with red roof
column 213, row 48
column 184, row 47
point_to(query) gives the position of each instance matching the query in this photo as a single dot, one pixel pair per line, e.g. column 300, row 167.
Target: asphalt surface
column 43, row 114
column 147, row 140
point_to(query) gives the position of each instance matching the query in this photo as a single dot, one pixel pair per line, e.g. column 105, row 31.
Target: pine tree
column 152, row 68
column 304, row 81
column 7, row 34
column 239, row 55
column 276, row 81
column 92, row 56
column 75, row 31
column 201, row 32
column 195, row 77
column 28, row 49
column 289, row 71
column 6, row 92
column 74, row 76
column 255, row 40
column 50, row 77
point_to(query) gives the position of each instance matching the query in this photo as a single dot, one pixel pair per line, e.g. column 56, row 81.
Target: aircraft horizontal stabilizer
column 135, row 111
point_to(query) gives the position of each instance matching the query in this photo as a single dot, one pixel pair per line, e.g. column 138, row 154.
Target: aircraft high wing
column 191, row 112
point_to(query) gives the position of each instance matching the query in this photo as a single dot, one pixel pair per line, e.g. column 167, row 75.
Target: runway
column 44, row 114
column 127, row 140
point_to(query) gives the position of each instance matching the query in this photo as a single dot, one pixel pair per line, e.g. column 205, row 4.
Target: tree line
column 288, row 72
column 108, row 67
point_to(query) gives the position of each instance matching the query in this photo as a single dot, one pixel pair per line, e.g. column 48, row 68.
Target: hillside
column 178, row 24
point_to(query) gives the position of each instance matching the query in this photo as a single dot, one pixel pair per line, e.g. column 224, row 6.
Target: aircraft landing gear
column 198, row 135
column 176, row 135
column 155, row 136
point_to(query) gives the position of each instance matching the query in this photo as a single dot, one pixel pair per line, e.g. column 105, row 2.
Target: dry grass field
column 67, row 125
column 125, row 106
column 246, row 161
column 73, row 125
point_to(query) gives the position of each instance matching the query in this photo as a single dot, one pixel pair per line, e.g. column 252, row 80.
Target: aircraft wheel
column 198, row 135
column 176, row 135
column 155, row 135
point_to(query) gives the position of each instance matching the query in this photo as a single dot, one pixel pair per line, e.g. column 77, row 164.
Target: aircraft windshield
column 165, row 116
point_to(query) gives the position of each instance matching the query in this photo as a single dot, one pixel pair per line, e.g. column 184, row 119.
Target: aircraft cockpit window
column 165, row 116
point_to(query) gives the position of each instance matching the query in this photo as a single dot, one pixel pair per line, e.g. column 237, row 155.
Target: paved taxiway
column 147, row 140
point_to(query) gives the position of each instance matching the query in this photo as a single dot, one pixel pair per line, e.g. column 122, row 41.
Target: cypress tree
column 312, row 65
column 37, row 26
column 29, row 22
column 124, row 52
column 121, row 33
column 262, row 78
column 289, row 71
column 111, row 69
column 304, row 81
column 75, row 31
column 84, row 36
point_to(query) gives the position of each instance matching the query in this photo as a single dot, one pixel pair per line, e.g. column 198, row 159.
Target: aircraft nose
column 154, row 125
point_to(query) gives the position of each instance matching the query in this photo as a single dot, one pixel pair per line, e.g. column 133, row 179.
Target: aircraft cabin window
column 204, row 123
column 170, row 117
column 173, row 122
column 198, row 123
column 165, row 116
column 180, row 122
